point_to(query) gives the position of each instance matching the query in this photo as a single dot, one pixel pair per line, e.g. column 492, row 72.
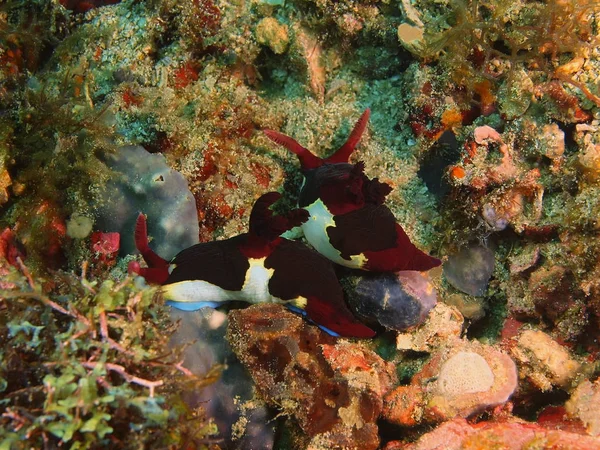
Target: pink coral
column 105, row 247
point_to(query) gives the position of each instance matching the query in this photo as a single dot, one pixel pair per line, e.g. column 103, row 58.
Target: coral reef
column 484, row 133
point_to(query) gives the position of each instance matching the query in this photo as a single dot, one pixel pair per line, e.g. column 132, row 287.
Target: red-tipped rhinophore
column 308, row 160
column 157, row 271
column 344, row 152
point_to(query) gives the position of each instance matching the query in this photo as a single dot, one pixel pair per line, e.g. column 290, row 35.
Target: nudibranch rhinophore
column 349, row 224
column 256, row 267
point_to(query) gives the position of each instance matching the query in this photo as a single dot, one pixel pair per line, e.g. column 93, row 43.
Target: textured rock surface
column 332, row 388
column 584, row 405
column 511, row 434
column 543, row 361
column 444, row 323
column 460, row 379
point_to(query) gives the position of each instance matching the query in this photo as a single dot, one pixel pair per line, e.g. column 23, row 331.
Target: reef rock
column 470, row 269
column 543, row 361
column 443, row 324
column 398, row 301
column 145, row 183
column 507, row 434
column 332, row 388
column 559, row 300
column 460, row 379
column 584, row 405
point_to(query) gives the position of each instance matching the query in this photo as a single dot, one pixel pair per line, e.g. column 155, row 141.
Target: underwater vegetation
column 84, row 364
column 478, row 150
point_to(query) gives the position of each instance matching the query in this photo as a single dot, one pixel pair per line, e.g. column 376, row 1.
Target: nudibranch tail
column 342, row 155
column 403, row 256
column 307, row 159
column 337, row 318
column 157, row 271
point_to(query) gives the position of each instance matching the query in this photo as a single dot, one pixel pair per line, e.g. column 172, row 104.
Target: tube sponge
column 144, row 182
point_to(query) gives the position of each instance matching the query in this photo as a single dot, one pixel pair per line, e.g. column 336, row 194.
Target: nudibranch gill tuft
column 349, row 223
column 256, row 267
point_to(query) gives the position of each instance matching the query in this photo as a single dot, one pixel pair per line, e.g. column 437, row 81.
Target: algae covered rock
column 333, row 389
column 583, row 405
column 460, row 379
column 444, row 323
column 273, row 34
column 543, row 361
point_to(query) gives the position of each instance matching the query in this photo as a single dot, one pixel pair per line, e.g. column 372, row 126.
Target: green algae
column 85, row 363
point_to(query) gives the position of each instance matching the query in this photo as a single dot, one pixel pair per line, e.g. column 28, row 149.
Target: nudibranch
column 257, row 266
column 349, row 223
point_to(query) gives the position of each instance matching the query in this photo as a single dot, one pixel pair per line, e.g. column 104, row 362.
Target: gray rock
column 398, row 301
column 204, row 332
column 145, row 183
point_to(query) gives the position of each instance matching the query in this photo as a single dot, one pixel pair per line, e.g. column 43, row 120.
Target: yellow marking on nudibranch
column 315, row 231
column 254, row 290
column 299, row 302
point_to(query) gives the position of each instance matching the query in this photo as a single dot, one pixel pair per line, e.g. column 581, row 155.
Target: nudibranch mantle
column 349, row 223
column 256, row 267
